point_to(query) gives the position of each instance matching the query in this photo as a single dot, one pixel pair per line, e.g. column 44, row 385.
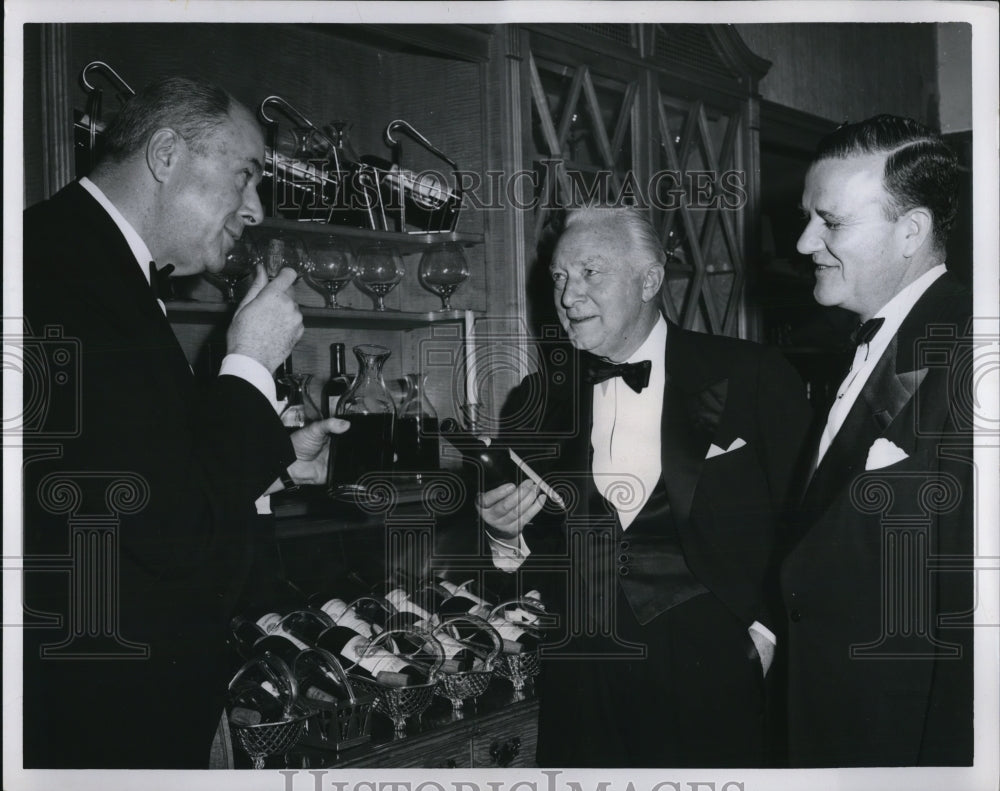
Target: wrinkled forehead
column 581, row 245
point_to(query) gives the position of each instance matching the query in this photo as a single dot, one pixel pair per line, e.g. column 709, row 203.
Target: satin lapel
column 691, row 411
column 578, row 453
column 883, row 397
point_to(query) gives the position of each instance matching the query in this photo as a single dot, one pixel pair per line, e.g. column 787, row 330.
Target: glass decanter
column 367, row 446
column 417, row 449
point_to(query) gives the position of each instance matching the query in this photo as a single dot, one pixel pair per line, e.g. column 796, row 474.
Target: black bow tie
column 636, row 375
column 159, row 281
column 864, row 333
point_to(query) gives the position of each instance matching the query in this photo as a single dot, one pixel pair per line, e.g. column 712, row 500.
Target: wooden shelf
column 206, row 312
column 405, row 242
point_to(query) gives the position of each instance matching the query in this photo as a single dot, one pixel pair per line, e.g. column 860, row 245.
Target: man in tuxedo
column 673, row 472
column 878, row 585
column 140, row 488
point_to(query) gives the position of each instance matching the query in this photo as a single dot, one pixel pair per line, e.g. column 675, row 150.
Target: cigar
column 552, row 494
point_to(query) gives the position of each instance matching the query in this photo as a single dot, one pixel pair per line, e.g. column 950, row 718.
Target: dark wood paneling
column 849, row 71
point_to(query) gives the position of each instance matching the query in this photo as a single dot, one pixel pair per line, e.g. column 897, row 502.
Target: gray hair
column 192, row 108
column 632, row 221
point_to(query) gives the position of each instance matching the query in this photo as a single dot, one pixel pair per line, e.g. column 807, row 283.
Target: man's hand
column 508, row 508
column 312, row 450
column 267, row 323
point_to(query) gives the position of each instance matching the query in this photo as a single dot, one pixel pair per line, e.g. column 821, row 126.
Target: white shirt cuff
column 250, row 370
column 508, row 557
column 764, row 632
column 263, row 505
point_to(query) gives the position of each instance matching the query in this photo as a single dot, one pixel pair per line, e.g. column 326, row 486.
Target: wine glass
column 442, row 270
column 286, row 250
column 332, row 267
column 240, row 262
column 380, row 268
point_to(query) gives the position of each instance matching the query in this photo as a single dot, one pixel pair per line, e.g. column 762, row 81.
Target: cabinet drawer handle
column 504, row 753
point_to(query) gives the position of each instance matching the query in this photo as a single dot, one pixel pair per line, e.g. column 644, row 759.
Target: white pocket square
column 715, row 450
column 882, row 453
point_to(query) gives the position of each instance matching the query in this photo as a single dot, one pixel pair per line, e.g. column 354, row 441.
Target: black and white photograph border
column 964, row 96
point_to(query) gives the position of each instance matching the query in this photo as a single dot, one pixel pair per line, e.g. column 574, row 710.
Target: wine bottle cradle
column 439, row 637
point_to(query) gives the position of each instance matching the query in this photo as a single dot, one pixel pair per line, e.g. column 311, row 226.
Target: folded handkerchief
column 882, row 453
column 714, row 450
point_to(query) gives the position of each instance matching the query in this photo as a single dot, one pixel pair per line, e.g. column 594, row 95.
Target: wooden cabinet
column 663, row 117
column 499, row 730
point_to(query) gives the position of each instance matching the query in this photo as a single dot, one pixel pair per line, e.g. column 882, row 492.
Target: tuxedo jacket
column 125, row 437
column 878, row 586
column 720, row 392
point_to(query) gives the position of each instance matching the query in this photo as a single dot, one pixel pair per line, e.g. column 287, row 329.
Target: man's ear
column 162, row 153
column 652, row 280
column 916, row 228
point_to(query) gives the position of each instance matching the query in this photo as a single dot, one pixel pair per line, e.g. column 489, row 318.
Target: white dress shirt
column 867, row 355
column 625, row 433
column 240, row 365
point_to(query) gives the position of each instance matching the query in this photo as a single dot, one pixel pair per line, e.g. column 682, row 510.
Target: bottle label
column 520, row 615
column 399, row 600
column 450, row 645
column 270, row 689
column 463, row 590
column 375, row 661
column 505, row 629
column 269, row 622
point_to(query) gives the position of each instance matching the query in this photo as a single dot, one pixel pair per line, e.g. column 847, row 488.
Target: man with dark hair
column 674, row 469
column 145, row 510
column 878, row 587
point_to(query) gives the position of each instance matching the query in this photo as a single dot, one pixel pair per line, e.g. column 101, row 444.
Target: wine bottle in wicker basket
column 400, row 703
column 463, row 685
column 263, row 708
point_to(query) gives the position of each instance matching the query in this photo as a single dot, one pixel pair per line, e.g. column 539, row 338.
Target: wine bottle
column 254, row 701
column 257, row 695
column 409, row 615
column 376, row 662
column 526, row 610
column 343, row 615
column 318, row 681
column 304, row 626
column 493, row 465
column 244, row 633
column 430, row 597
column 470, row 590
column 515, row 638
column 337, row 384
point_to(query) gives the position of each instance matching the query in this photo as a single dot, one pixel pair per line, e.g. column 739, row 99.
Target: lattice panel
column 703, row 230
column 582, row 124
